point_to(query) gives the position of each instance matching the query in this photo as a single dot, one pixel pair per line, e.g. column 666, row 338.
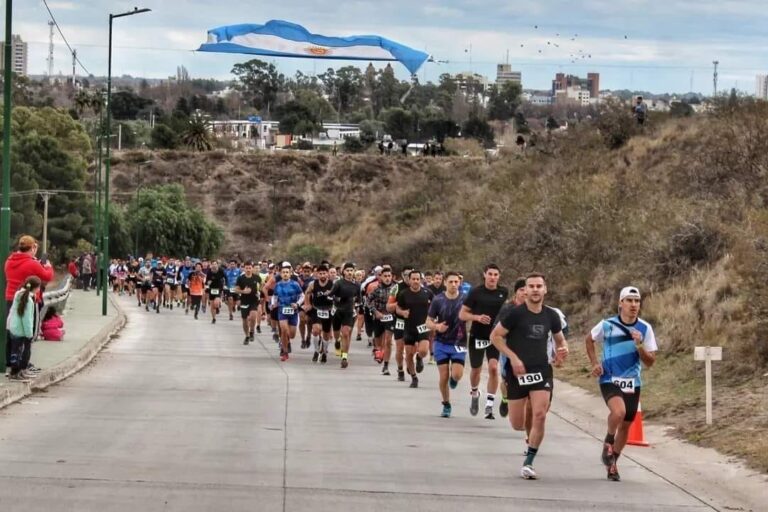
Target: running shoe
column 489, row 412
column 195, row 315
column 344, row 362
column 19, row 377
column 385, row 371
column 528, row 473
column 275, row 338
column 370, row 343
column 359, row 337
column 378, row 357
column 503, row 408
column 401, row 376
column 315, row 356
column 283, row 357
column 289, row 347
column 419, row 364
column 250, row 335
column 607, row 455
column 213, row 320
column 414, row 382
column 230, row 315
column 258, row 329
column 324, row 358
column 446, row 411
column 452, row 383
column 246, row 340
column 613, row 473
column 474, row 406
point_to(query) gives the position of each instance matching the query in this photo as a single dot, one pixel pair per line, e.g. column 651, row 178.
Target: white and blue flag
column 283, row 39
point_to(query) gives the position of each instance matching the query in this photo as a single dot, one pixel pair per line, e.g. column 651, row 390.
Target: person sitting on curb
column 52, row 328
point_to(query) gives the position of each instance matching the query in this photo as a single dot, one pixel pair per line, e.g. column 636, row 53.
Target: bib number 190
column 528, row 379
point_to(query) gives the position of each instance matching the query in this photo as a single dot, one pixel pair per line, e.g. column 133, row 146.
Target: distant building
column 465, row 78
column 761, row 87
column 504, row 74
column 591, row 84
column 18, row 56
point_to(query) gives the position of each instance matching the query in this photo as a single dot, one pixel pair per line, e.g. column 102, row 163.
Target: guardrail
column 57, row 299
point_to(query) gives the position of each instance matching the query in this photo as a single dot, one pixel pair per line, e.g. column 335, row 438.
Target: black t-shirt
column 529, row 332
column 158, row 275
column 216, row 281
column 345, row 293
column 482, row 301
column 436, row 290
column 321, row 298
column 254, row 283
column 417, row 303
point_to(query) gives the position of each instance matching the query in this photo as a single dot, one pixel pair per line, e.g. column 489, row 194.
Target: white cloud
column 62, row 6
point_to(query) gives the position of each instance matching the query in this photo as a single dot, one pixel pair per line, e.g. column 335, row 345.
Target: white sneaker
column 528, row 473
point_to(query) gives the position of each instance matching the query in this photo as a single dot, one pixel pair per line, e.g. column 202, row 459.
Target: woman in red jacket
column 18, row 267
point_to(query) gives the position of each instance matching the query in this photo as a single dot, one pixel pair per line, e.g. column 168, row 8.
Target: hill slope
column 678, row 211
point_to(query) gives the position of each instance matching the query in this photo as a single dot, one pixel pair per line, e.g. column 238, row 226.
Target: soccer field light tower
column 107, row 162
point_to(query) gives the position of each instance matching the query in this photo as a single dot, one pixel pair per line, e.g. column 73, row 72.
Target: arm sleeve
column 510, row 320
column 401, row 300
column 649, row 341
column 470, row 300
column 597, row 332
column 434, row 309
column 555, row 324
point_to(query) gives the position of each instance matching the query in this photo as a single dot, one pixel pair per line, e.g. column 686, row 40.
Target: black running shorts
column 631, row 400
column 535, row 379
column 480, row 349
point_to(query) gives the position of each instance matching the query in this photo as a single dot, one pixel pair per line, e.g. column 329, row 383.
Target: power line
column 74, row 54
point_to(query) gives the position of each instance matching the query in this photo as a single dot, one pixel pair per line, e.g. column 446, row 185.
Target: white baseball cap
column 629, row 291
column 286, row 264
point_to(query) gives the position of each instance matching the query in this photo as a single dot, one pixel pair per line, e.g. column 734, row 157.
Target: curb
column 69, row 366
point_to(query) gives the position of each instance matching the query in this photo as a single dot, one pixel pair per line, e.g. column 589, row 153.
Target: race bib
column 231, row 290
column 625, row 385
column 460, row 349
column 481, row 344
column 530, row 378
column 323, row 313
column 170, row 281
column 288, row 311
column 421, row 329
column 387, row 318
column 400, row 324
column 214, row 291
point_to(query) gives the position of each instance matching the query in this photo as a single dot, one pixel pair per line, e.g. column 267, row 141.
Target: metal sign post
column 708, row 354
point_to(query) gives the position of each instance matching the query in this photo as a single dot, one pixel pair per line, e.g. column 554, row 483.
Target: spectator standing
column 18, row 267
column 87, row 271
column 21, row 329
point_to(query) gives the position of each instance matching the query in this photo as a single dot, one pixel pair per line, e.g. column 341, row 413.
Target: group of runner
column 432, row 317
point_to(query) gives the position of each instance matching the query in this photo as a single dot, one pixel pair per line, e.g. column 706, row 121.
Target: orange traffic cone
column 636, row 435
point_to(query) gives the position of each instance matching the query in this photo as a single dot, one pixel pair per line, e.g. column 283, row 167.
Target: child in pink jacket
column 52, row 327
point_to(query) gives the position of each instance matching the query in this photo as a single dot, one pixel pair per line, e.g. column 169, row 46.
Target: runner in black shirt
column 413, row 305
column 345, row 291
column 216, row 283
column 522, row 336
column 318, row 305
column 248, row 286
column 481, row 306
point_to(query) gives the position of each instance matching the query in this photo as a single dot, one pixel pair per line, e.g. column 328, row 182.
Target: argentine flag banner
column 283, row 39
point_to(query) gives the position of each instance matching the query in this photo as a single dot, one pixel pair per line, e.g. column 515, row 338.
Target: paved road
column 179, row 415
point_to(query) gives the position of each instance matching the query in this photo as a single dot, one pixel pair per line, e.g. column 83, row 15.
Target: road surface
column 177, row 414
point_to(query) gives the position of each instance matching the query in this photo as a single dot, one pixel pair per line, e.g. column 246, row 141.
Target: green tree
column 479, row 129
column 344, row 87
column 169, row 225
column 503, row 101
column 259, row 81
column 128, row 104
column 296, row 118
column 680, row 109
column 399, row 122
column 162, row 137
column 197, row 136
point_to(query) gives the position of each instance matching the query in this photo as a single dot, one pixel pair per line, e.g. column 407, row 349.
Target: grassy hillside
column 678, row 210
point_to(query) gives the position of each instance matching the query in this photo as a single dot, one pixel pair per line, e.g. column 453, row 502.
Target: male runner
column 215, row 283
column 158, row 284
column 196, row 283
column 518, row 297
column 398, row 332
column 248, row 286
column 522, row 336
column 232, row 273
column 305, row 322
column 627, row 340
column 434, row 285
column 318, row 305
column 384, row 321
column 145, row 291
column 413, row 305
column 287, row 299
column 481, row 306
column 344, row 292
column 450, row 338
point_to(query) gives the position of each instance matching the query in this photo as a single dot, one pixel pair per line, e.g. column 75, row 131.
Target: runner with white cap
column 627, row 341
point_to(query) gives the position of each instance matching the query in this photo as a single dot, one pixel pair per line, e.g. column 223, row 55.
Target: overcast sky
column 660, row 46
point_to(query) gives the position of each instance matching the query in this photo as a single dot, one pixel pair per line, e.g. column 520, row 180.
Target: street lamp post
column 107, row 163
column 138, row 221
column 5, row 208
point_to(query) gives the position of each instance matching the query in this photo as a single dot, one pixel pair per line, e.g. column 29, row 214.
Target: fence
column 57, row 299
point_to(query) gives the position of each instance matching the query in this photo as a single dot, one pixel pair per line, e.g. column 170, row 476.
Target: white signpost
column 708, row 354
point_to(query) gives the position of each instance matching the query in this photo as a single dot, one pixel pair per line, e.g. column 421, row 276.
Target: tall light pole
column 5, row 208
column 108, row 128
column 138, row 222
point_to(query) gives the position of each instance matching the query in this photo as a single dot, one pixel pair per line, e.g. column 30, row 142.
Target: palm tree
column 197, row 135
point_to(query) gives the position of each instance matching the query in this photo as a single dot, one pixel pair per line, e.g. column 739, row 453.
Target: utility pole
column 714, row 78
column 46, row 196
column 5, row 207
column 74, row 61
column 51, row 24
